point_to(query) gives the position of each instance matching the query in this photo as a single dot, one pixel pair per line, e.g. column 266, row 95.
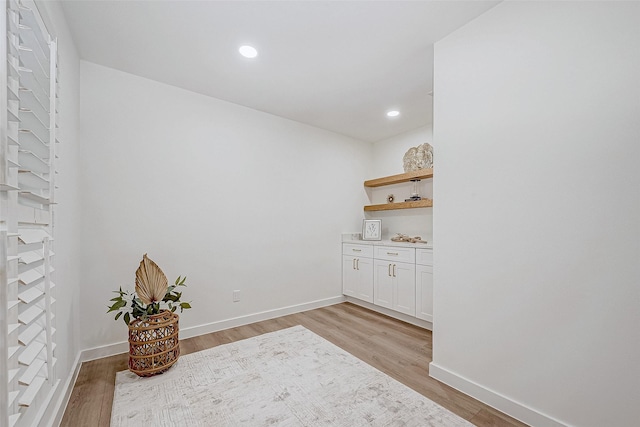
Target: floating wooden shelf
column 403, row 177
column 424, row 203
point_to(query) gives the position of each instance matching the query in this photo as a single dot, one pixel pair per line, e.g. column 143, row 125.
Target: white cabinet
column 399, row 278
column 424, row 284
column 357, row 271
column 394, row 280
column 395, row 286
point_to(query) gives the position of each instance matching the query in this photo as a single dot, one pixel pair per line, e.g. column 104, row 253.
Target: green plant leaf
column 118, row 315
column 173, row 297
column 127, row 318
column 117, row 305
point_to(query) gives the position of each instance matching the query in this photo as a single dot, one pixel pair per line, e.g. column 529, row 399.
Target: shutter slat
column 31, row 257
column 30, row 314
column 32, row 235
column 30, row 141
column 29, row 160
column 30, row 276
column 26, row 399
column 30, row 99
column 30, row 295
column 30, row 373
column 42, row 199
column 29, row 354
column 29, row 79
column 29, row 39
column 30, row 334
column 32, row 180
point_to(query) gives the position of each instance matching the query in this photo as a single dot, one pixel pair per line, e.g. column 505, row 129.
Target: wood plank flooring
column 400, row 350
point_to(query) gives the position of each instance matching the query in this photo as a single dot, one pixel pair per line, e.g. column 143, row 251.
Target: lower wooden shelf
column 424, row 203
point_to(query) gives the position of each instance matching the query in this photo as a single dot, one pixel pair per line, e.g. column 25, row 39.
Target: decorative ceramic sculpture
column 420, row 157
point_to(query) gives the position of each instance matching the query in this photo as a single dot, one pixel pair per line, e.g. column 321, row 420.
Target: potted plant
column 149, row 312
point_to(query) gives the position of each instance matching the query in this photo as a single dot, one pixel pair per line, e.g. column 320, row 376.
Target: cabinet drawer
column 424, row 256
column 365, row 251
column 392, row 253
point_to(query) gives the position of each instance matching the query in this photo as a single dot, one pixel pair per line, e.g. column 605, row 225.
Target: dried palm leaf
column 151, row 283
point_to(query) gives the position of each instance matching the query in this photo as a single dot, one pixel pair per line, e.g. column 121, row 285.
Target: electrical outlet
column 236, row 296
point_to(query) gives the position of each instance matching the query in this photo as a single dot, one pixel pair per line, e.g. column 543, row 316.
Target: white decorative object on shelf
column 420, row 157
column 399, row 237
column 371, row 229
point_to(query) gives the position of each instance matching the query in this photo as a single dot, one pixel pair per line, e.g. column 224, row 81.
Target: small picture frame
column 371, row 229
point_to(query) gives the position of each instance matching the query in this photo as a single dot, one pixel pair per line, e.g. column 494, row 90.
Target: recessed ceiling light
column 393, row 113
column 248, row 51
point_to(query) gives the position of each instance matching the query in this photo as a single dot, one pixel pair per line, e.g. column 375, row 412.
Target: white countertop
column 349, row 238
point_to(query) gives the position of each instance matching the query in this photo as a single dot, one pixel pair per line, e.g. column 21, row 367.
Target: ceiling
column 337, row 65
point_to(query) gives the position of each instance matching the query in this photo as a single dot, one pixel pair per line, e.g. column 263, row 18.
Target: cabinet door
column 424, row 292
column 382, row 283
column 349, row 276
column 404, row 290
column 364, row 289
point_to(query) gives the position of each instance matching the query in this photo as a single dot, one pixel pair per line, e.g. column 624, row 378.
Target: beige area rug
column 290, row 377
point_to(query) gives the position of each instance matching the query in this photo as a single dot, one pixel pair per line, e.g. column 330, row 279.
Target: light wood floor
column 396, row 348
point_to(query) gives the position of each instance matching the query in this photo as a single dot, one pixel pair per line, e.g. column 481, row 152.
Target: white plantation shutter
column 27, row 189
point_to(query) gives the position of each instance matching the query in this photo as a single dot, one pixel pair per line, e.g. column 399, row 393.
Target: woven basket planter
column 153, row 344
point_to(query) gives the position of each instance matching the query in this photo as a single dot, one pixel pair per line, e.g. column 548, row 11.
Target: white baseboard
column 53, row 415
column 495, row 400
column 46, row 405
column 391, row 313
column 194, row 331
column 104, row 351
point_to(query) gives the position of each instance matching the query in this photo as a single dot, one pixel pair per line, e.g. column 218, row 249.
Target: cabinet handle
column 356, row 250
column 392, row 253
column 353, row 264
column 358, row 264
column 394, row 270
column 389, row 270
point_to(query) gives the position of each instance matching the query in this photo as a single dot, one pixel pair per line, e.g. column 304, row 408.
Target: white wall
column 231, row 197
column 387, row 160
column 537, row 128
column 67, row 211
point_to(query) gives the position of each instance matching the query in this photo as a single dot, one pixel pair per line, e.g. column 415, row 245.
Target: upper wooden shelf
column 424, row 203
column 403, row 177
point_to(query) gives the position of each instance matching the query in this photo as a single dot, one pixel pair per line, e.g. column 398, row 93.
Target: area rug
column 291, row 377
